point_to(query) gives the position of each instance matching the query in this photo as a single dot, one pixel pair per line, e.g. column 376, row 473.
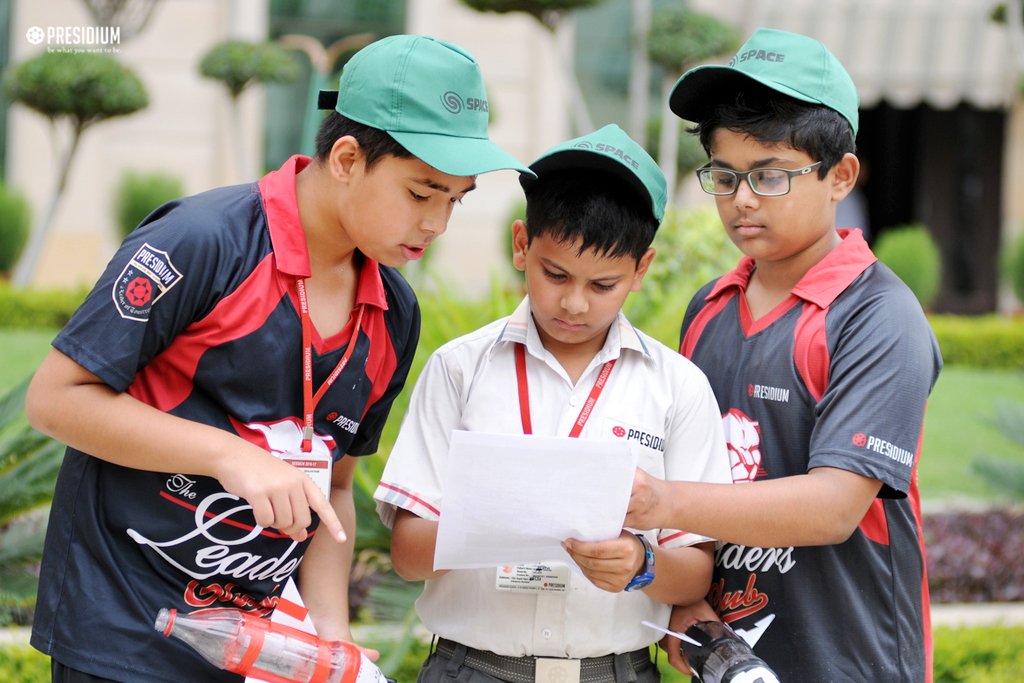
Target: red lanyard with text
column 524, row 394
column 309, row 400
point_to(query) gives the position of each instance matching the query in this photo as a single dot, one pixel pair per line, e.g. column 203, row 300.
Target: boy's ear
column 844, row 176
column 520, row 242
column 641, row 269
column 344, row 155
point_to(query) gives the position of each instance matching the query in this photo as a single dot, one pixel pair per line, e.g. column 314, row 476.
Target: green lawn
column 21, row 351
column 958, row 426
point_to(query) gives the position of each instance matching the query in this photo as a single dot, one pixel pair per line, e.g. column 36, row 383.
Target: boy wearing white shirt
column 565, row 363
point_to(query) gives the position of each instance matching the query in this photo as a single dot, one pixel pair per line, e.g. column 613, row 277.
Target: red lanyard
column 309, row 400
column 524, row 394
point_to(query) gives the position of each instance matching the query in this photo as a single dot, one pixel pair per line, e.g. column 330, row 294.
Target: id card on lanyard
column 528, row 578
column 317, row 462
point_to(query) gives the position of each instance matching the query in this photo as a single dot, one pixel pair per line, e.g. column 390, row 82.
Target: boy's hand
column 281, row 496
column 646, row 503
column 683, row 617
column 609, row 565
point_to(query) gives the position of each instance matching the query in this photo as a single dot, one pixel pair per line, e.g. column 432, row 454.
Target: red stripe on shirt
column 229, row 522
column 415, row 499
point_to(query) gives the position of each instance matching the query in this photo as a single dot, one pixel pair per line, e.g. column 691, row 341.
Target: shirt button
column 546, row 633
column 573, row 400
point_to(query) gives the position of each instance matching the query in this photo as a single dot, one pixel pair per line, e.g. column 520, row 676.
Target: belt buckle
column 556, row 670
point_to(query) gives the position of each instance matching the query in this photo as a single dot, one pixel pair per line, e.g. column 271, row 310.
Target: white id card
column 316, row 465
column 531, row 578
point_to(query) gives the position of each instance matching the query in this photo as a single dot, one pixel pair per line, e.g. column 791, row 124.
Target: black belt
column 522, row 669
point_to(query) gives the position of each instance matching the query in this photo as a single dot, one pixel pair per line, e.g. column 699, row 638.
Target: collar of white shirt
column 521, row 329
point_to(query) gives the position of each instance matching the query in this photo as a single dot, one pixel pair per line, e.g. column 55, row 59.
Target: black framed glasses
column 767, row 182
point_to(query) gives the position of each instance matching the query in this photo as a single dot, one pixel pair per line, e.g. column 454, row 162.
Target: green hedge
column 22, row 664
column 989, row 341
column 28, row 309
column 986, row 654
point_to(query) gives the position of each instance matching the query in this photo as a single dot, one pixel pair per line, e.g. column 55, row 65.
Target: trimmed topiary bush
column 1013, row 267
column 691, row 248
column 15, row 223
column 139, row 193
column 912, row 254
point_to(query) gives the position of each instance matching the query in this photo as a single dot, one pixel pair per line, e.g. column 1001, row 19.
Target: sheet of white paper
column 510, row 499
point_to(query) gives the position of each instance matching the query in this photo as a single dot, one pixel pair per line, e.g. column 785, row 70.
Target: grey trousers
column 441, row 669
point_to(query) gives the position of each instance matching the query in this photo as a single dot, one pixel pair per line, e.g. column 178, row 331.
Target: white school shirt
column 654, row 397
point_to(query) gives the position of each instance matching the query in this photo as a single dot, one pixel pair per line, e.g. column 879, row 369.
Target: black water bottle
column 724, row 657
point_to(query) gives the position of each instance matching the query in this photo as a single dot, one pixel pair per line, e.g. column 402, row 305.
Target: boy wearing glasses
column 821, row 360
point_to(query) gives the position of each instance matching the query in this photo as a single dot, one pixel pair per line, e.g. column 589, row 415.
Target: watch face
column 644, row 579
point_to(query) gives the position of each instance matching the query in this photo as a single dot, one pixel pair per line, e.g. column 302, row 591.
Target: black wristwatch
column 646, row 573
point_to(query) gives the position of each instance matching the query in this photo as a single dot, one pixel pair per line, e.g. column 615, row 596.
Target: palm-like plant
column 29, row 462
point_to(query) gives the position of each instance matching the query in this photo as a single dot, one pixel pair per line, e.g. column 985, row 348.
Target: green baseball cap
column 608, row 149
column 789, row 63
column 429, row 96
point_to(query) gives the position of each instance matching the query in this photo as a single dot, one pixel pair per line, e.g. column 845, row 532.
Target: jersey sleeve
column 414, row 475
column 695, row 447
column 167, row 273
column 883, row 364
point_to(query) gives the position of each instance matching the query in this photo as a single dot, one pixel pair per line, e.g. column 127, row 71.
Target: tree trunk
column 565, row 41
column 668, row 145
column 639, row 72
column 242, row 171
column 24, row 272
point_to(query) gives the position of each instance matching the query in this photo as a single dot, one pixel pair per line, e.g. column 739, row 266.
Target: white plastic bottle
column 245, row 644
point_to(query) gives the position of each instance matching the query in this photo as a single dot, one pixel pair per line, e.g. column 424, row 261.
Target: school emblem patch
column 148, row 275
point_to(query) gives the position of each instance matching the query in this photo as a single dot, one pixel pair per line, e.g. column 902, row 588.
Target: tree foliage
column 84, row 87
column 238, row 63
column 544, row 11
column 15, row 221
column 1013, row 266
column 681, row 38
column 911, row 252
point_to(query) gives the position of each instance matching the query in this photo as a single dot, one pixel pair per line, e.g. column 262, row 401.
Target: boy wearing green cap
column 579, row 369
column 240, row 344
column 822, row 361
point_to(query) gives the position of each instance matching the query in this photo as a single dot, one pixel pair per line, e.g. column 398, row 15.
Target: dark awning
column 903, row 52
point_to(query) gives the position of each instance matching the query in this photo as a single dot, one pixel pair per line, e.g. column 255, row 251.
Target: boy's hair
column 772, row 118
column 591, row 207
column 375, row 143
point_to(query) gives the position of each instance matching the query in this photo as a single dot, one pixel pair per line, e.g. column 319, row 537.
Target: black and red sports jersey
column 197, row 315
column 836, row 376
